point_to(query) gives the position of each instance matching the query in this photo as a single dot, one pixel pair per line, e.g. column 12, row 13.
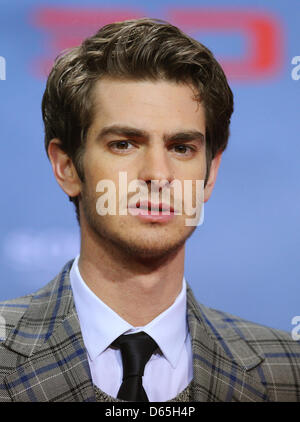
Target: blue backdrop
column 244, row 259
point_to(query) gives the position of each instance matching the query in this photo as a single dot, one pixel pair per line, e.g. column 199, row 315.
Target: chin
column 157, row 249
column 158, row 254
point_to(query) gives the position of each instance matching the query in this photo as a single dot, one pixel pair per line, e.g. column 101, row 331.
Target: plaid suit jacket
column 43, row 358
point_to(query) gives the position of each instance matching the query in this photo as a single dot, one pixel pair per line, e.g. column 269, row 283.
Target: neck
column 136, row 289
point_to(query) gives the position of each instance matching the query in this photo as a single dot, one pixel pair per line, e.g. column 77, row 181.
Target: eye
column 120, row 145
column 183, row 149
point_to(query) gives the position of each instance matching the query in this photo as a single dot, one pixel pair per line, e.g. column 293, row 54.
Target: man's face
column 151, row 131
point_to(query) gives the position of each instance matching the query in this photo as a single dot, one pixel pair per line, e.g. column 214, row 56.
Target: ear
column 63, row 169
column 214, row 167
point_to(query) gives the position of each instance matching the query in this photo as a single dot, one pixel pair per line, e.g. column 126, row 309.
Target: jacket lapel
column 221, row 359
column 55, row 365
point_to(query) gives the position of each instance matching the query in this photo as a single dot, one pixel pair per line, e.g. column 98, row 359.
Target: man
column 143, row 100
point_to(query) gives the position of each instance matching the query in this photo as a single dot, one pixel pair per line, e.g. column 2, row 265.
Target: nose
column 156, row 164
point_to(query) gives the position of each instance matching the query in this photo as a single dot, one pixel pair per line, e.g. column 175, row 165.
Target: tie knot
column 136, row 350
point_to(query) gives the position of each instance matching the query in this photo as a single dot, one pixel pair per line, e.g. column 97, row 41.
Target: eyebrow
column 131, row 132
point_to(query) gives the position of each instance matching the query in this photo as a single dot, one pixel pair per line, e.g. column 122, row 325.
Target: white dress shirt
column 166, row 374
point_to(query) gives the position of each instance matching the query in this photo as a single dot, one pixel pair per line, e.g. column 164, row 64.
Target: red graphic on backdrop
column 261, row 32
column 68, row 27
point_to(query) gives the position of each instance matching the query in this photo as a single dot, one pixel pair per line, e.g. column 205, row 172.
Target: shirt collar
column 100, row 325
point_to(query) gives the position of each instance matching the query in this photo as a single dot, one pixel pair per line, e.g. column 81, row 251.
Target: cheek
column 193, row 171
column 95, row 167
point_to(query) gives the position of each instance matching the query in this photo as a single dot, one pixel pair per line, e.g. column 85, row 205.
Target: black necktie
column 136, row 350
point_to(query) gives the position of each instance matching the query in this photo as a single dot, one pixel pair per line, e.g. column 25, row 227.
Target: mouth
column 151, row 207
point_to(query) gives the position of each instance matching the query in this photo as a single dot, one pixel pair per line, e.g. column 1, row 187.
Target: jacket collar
column 48, row 336
column 221, row 357
column 49, row 332
column 47, row 309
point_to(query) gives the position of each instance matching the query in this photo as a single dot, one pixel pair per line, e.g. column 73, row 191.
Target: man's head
column 147, row 75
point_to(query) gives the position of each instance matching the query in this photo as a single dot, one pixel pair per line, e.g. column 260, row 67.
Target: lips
column 149, row 206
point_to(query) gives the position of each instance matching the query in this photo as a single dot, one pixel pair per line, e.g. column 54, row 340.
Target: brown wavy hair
column 148, row 49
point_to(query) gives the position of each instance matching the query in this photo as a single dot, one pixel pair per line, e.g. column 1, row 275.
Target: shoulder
column 250, row 331
column 270, row 355
column 26, row 321
column 11, row 311
column 30, row 310
column 224, row 324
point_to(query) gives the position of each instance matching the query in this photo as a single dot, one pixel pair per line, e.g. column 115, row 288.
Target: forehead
column 148, row 105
